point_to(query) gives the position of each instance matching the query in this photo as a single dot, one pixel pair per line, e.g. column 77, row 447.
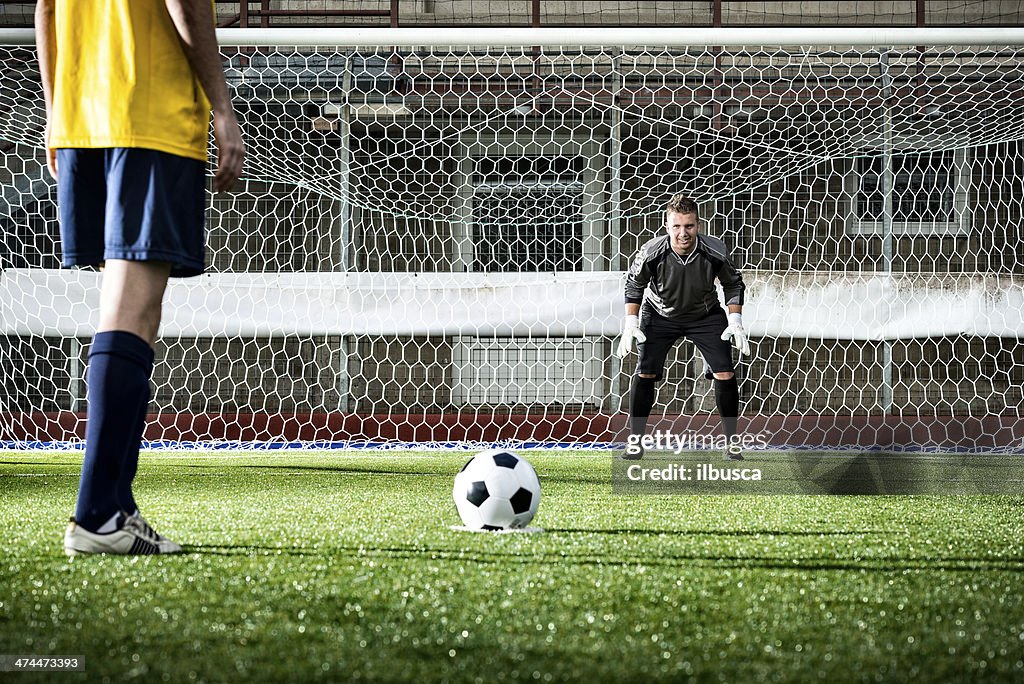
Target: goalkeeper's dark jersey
column 683, row 287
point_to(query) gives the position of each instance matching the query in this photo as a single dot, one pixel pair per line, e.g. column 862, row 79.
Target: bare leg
column 132, row 297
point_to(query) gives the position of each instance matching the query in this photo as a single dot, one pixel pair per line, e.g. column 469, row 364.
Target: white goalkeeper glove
column 630, row 331
column 737, row 334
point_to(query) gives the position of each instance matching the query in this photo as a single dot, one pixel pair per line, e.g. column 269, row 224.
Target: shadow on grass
column 598, row 477
column 253, row 550
column 342, row 470
column 713, row 533
column 662, row 560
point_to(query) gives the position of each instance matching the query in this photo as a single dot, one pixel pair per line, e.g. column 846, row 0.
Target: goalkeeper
column 678, row 272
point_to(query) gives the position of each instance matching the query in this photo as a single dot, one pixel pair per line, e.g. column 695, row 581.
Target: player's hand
column 630, row 331
column 737, row 334
column 230, row 151
column 51, row 161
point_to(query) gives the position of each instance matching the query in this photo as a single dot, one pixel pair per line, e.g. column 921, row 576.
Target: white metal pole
column 615, row 218
column 599, row 36
column 887, row 218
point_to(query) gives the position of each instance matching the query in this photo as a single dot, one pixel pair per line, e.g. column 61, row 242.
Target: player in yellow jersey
column 129, row 85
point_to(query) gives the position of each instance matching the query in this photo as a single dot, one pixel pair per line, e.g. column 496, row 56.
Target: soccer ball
column 496, row 490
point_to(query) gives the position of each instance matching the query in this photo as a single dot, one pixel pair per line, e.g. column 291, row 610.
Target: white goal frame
column 595, row 327
column 594, row 36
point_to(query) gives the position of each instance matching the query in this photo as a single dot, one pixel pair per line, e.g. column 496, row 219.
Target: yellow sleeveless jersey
column 122, row 80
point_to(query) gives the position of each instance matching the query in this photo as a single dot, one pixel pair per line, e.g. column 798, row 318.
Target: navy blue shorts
column 134, row 204
column 705, row 332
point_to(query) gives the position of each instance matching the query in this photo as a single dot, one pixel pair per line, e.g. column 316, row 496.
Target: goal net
column 430, row 240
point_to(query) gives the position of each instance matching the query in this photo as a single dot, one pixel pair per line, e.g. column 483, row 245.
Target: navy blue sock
column 118, row 382
column 130, row 465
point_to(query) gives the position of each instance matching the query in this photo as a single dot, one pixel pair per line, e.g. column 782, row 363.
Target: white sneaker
column 130, row 539
column 165, row 544
column 148, row 529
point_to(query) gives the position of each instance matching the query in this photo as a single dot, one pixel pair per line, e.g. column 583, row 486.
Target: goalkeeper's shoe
column 632, row 452
column 132, row 538
column 734, row 453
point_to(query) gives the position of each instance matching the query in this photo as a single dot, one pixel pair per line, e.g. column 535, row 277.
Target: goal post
column 429, row 240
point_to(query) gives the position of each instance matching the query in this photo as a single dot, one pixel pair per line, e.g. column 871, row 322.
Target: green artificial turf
column 343, row 566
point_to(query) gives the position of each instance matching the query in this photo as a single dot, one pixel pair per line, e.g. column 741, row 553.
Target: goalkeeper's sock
column 727, row 397
column 641, row 402
column 118, row 381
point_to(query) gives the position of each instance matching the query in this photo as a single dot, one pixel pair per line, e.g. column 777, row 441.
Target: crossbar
column 598, row 36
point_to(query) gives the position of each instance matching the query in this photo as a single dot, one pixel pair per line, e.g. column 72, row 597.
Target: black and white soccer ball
column 497, row 490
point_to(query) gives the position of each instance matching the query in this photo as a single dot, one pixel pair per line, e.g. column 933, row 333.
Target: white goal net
column 429, row 242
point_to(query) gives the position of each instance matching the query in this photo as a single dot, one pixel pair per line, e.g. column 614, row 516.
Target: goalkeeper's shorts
column 705, row 332
column 133, row 204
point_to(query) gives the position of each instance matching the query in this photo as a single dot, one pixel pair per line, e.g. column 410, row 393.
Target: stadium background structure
column 886, row 320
